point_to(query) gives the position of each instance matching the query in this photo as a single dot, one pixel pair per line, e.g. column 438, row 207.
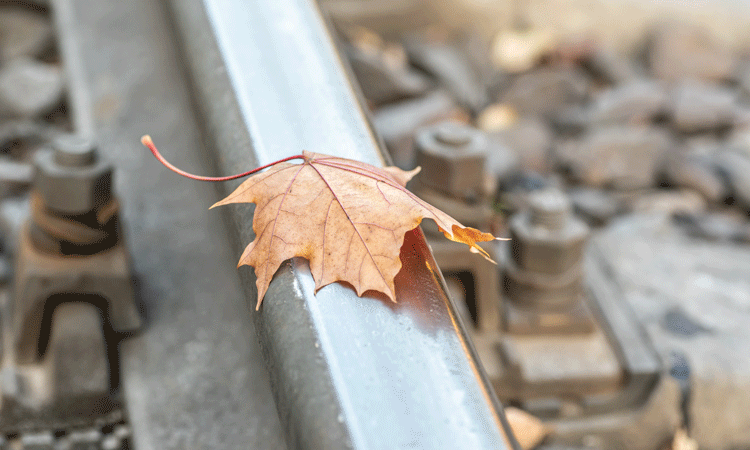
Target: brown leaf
column 346, row 217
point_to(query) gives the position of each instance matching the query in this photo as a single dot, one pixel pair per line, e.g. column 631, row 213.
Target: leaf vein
column 367, row 249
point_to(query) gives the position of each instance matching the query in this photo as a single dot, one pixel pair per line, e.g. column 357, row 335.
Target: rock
column 634, row 102
column 381, row 82
column 528, row 430
column 721, row 227
column 700, row 107
column 14, row 213
column 476, row 47
column 743, row 82
column 741, row 119
column 736, row 167
column 696, row 172
column 574, row 49
column 398, row 122
column 596, row 206
column 452, row 70
column 682, row 441
column 678, row 50
column 514, row 191
column 670, row 202
column 609, row 66
column 516, row 51
column 739, row 141
column 547, row 90
column 497, row 117
column 571, row 120
column 502, row 161
column 531, row 140
column 621, row 157
column 14, row 173
column 29, row 89
column 704, row 144
column 23, row 33
column 27, row 131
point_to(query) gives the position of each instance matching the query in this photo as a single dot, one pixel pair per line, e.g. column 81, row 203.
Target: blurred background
column 610, row 140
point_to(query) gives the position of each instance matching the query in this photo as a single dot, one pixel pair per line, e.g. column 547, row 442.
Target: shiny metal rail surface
column 346, row 372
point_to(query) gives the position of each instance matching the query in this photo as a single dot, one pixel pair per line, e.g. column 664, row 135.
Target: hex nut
column 70, row 189
column 452, row 157
column 529, row 290
column 547, row 239
column 538, row 249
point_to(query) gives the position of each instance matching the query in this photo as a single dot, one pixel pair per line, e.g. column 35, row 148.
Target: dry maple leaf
column 347, row 218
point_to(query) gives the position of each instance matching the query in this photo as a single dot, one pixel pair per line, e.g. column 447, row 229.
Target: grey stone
column 571, row 120
column 743, row 82
column 608, row 65
column 519, row 49
column 477, row 49
column 531, row 140
column 634, row 102
column 660, row 269
column 514, row 190
column 451, row 68
column 736, row 167
column 679, row 50
column 697, row 172
column 23, row 33
column 622, row 157
column 679, row 323
column 26, row 131
column 703, row 145
column 739, row 141
column 14, row 212
column 717, row 226
column 381, row 82
column 502, row 161
column 701, row 106
column 29, row 88
column 670, row 202
column 85, row 440
column 398, row 122
column 15, row 173
column 547, row 90
column 6, row 271
column 38, row 441
column 741, row 119
column 595, row 205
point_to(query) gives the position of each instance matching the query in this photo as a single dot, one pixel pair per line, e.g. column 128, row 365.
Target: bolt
column 549, row 209
column 452, row 157
column 454, row 134
column 71, row 177
column 74, row 151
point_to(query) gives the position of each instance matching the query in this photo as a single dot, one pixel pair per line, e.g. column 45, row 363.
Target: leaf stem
column 146, row 140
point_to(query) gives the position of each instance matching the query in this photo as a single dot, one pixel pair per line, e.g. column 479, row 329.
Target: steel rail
column 346, row 372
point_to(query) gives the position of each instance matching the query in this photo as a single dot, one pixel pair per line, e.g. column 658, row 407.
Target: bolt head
column 72, row 187
column 452, row 157
column 547, row 250
column 74, row 151
column 550, row 208
column 454, row 134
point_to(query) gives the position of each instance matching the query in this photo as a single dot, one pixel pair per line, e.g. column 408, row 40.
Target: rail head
column 346, row 372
